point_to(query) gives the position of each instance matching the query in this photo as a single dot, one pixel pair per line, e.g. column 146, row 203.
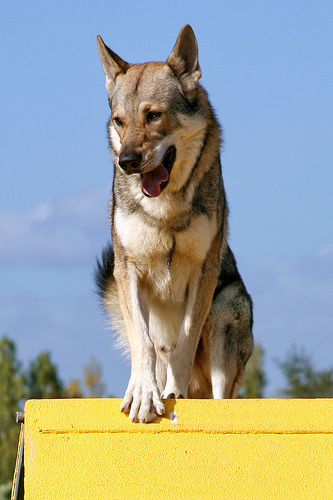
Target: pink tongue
column 151, row 181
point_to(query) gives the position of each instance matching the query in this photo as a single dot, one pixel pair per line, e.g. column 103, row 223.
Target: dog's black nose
column 129, row 162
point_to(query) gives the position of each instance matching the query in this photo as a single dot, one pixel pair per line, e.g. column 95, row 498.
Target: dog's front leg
column 142, row 399
column 201, row 289
column 181, row 361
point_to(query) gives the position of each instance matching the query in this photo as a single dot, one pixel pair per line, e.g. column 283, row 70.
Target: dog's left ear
column 183, row 60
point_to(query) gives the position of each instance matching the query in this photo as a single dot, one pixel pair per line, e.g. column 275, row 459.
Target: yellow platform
column 85, row 449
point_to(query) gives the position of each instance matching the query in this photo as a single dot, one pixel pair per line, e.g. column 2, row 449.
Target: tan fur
column 170, row 283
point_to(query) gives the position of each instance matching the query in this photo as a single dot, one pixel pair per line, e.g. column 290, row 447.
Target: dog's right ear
column 113, row 65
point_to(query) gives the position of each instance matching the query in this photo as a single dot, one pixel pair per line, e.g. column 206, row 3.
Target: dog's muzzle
column 154, row 181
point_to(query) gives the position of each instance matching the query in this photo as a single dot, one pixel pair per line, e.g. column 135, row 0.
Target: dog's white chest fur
column 165, row 259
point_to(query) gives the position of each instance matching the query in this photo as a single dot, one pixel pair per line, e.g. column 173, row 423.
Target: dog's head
column 157, row 122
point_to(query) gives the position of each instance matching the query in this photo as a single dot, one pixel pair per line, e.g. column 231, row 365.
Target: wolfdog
column 170, row 282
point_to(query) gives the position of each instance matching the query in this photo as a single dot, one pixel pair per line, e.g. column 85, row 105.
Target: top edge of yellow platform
column 238, row 416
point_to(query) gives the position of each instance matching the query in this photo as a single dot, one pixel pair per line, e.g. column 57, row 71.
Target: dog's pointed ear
column 112, row 64
column 183, row 60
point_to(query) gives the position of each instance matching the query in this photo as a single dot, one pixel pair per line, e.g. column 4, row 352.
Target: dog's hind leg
column 231, row 339
column 226, row 369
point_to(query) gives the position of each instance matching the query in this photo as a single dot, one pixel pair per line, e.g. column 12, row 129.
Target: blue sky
column 268, row 69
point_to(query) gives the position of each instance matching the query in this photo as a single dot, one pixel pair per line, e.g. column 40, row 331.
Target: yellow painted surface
column 85, row 449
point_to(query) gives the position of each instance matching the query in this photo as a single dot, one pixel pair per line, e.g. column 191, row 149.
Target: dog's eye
column 118, row 121
column 153, row 115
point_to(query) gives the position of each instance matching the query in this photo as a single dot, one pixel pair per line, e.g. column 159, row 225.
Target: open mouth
column 153, row 182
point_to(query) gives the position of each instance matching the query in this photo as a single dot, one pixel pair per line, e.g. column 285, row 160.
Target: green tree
column 11, row 393
column 254, row 379
column 92, row 378
column 303, row 381
column 73, row 390
column 42, row 378
column 5, row 490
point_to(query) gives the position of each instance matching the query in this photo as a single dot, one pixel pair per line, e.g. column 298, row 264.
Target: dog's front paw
column 172, row 395
column 174, row 390
column 142, row 400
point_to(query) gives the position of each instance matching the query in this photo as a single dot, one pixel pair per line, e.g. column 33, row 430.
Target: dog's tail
column 108, row 293
column 104, row 270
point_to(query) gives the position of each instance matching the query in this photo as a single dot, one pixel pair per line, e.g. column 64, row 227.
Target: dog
column 170, row 281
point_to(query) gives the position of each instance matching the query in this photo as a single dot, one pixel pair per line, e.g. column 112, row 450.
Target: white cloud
column 64, row 232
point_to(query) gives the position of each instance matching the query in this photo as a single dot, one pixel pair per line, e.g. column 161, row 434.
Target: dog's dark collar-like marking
column 172, row 251
column 195, row 166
